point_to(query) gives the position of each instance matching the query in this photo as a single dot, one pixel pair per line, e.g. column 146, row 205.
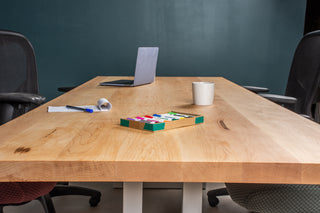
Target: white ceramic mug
column 203, row 93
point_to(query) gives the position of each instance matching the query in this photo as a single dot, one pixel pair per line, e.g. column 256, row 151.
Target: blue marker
column 80, row 108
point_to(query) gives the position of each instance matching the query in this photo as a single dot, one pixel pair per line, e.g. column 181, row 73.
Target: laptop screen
column 146, row 65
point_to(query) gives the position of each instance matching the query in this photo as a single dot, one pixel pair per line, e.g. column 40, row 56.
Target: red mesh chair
column 17, row 193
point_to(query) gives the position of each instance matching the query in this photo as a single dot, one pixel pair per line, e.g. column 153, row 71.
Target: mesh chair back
column 304, row 77
column 18, row 72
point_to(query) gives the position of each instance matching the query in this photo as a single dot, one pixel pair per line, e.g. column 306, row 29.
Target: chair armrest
column 281, row 99
column 20, row 97
column 65, row 89
column 256, row 89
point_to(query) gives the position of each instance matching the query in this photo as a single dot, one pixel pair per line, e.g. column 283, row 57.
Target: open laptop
column 145, row 69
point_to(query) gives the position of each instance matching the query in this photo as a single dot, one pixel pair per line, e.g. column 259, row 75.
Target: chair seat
column 20, row 192
column 280, row 198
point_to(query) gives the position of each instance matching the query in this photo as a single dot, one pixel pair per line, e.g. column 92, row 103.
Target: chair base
column 47, row 203
column 212, row 196
column 60, row 190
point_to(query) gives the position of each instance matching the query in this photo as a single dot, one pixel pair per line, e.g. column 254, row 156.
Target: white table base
column 133, row 197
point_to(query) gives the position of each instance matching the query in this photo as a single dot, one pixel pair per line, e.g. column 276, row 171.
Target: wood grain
column 244, row 138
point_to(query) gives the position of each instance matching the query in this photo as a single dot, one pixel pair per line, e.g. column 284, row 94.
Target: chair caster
column 94, row 201
column 212, row 196
column 213, row 201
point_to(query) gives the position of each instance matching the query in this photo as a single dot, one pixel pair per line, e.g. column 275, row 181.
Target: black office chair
column 19, row 94
column 19, row 81
column 302, row 96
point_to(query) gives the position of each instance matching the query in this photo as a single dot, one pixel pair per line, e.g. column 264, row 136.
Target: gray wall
column 246, row 41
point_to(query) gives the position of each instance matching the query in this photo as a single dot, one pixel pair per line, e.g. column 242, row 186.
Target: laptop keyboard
column 119, row 82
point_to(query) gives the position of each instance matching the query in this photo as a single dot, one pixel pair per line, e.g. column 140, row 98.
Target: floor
column 154, row 200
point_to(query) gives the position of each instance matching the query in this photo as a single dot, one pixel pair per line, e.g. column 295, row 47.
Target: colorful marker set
column 162, row 121
column 160, row 118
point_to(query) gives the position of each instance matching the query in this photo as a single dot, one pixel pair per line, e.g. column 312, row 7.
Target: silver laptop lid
column 146, row 65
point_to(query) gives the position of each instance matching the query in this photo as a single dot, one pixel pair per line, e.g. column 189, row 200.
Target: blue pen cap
column 89, row 110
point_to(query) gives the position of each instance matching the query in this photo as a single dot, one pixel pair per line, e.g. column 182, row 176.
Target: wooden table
column 244, row 139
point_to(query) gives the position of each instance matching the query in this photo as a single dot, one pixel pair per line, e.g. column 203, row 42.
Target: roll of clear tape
column 104, row 104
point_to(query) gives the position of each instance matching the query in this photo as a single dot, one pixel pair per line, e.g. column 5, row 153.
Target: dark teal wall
column 246, row 41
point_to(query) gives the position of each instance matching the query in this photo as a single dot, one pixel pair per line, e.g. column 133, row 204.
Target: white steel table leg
column 192, row 198
column 132, row 197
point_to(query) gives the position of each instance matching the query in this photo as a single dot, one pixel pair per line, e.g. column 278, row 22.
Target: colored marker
column 80, row 108
column 166, row 118
column 151, row 118
column 180, row 116
column 158, row 119
column 145, row 120
column 161, row 119
column 171, row 116
column 184, row 116
column 132, row 119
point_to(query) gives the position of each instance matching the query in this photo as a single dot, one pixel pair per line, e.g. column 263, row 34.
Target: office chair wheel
column 212, row 196
column 213, row 201
column 94, row 200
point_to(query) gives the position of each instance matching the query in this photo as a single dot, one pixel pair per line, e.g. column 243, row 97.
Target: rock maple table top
column 244, row 138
